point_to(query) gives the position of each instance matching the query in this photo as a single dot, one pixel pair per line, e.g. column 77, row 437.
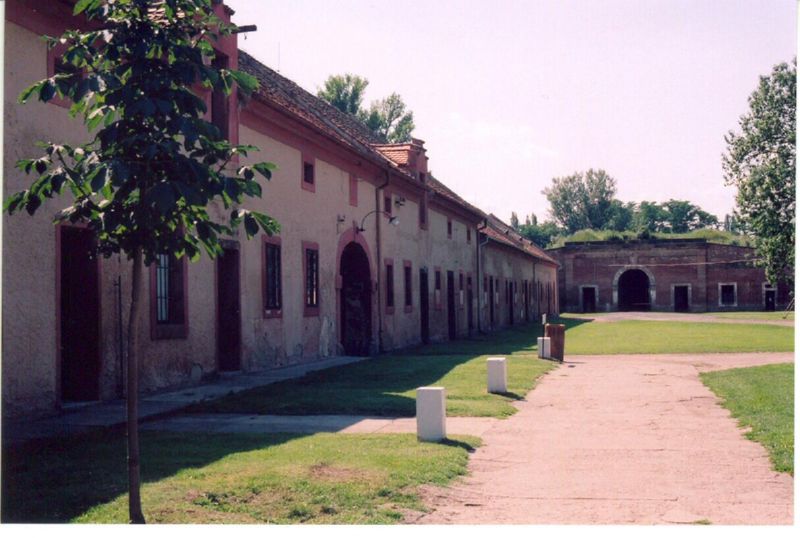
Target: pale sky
column 509, row 94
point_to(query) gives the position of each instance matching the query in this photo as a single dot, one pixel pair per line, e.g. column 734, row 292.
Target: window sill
column 169, row 332
column 311, row 312
column 273, row 314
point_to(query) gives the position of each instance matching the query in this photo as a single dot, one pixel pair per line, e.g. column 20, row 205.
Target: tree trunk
column 134, row 500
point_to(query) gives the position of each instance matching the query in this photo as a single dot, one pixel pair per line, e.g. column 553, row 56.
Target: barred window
column 272, row 286
column 312, row 277
column 169, row 291
column 407, row 282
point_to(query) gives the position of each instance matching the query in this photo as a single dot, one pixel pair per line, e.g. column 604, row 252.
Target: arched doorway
column 634, row 290
column 355, row 301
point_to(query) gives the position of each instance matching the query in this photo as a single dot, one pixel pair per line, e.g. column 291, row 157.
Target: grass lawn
column 756, row 316
column 387, row 385
column 584, row 337
column 762, row 398
column 215, row 478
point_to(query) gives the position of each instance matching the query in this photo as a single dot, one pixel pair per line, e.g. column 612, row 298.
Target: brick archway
column 651, row 284
column 355, row 286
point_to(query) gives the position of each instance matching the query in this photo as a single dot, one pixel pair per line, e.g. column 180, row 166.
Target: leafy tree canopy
column 345, row 92
column 581, row 200
column 760, row 162
column 387, row 118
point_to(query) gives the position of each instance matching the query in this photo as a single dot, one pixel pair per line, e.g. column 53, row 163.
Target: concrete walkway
column 83, row 417
column 620, row 439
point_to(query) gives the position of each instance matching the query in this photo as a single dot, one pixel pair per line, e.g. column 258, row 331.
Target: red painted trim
column 389, row 262
column 408, row 308
column 310, row 311
column 43, row 18
column 308, row 158
column 287, row 130
column 175, row 331
column 270, row 240
column 54, row 55
column 353, row 190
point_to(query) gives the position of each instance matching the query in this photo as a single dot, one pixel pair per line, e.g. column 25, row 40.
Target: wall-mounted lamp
column 394, row 221
column 400, row 201
column 339, row 220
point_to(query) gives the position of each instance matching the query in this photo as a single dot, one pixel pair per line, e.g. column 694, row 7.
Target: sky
column 510, row 94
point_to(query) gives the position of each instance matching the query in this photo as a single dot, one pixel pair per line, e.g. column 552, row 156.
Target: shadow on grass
column 374, row 386
column 459, row 444
column 56, row 480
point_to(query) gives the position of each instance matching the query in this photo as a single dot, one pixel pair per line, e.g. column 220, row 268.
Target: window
column 219, row 102
column 57, row 66
column 727, row 294
column 461, row 289
column 389, row 264
column 469, row 235
column 168, row 297
column 308, row 177
column 353, row 191
column 311, row 278
column 273, row 293
column 437, row 288
column 449, row 229
column 407, row 283
column 485, row 289
column 423, row 212
column 387, row 204
column 308, row 173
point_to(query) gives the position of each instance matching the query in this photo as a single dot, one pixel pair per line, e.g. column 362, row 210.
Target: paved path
column 93, row 415
column 620, row 439
column 611, row 317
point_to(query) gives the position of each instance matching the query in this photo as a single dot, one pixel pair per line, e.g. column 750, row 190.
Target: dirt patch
column 331, row 473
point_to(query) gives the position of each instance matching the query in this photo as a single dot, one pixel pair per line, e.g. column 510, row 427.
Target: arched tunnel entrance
column 634, row 290
column 356, row 301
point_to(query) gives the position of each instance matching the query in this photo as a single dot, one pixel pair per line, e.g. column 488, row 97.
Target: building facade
column 374, row 253
column 679, row 275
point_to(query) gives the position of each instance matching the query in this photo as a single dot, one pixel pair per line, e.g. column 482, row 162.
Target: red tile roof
column 502, row 233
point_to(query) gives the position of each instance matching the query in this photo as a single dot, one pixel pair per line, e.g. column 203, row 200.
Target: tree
column 683, row 216
column 760, row 162
column 582, row 200
column 621, row 216
column 153, row 165
column 389, row 120
column 650, row 217
column 541, row 234
column 345, row 92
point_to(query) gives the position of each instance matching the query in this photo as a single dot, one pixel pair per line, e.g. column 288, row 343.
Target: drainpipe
column 379, row 262
column 478, row 278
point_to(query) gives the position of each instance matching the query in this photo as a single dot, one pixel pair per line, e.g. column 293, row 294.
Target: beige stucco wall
column 29, row 344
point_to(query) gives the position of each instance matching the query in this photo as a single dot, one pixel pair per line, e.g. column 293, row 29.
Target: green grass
column 584, row 337
column 216, row 478
column 762, row 399
column 755, row 316
column 386, row 386
column 710, row 235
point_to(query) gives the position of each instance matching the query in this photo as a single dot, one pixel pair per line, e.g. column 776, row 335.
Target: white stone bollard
column 431, row 414
column 543, row 343
column 497, row 375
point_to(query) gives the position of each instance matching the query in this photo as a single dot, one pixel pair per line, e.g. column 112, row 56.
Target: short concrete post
column 431, row 414
column 497, row 375
column 543, row 343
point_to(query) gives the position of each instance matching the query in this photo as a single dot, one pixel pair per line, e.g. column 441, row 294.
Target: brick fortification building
column 374, row 253
column 678, row 275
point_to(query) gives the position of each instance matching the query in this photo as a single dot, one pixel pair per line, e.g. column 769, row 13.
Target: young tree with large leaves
column 153, row 165
column 760, row 162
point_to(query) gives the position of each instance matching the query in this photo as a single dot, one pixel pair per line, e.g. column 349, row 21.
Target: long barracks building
column 374, row 253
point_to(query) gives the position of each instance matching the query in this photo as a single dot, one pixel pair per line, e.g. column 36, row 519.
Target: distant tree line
column 587, row 201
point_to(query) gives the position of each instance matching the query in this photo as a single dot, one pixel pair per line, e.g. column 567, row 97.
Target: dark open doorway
column 451, row 306
column 589, row 299
column 634, row 290
column 769, row 299
column 681, row 298
column 356, row 301
column 229, row 319
column 491, row 301
column 424, row 312
column 80, row 315
column 510, row 297
column 469, row 305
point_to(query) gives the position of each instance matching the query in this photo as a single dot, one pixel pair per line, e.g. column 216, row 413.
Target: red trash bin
column 555, row 331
